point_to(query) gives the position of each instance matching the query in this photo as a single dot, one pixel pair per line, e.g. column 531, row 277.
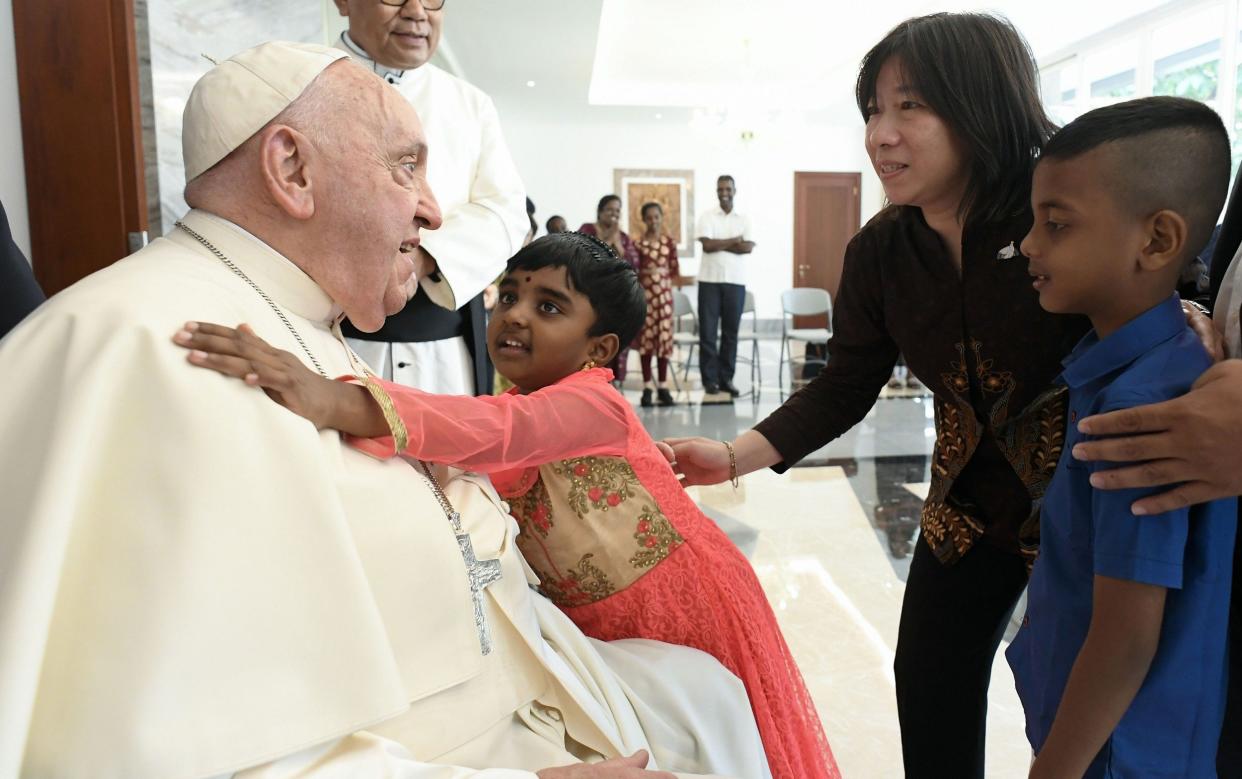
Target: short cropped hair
column 596, row 271
column 1170, row 152
column 552, row 219
column 650, row 205
column 728, row 178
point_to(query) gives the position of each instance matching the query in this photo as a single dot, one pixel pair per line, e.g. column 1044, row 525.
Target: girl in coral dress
column 615, row 540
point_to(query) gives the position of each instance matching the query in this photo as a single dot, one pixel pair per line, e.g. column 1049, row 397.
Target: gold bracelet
column 400, row 436
column 732, row 464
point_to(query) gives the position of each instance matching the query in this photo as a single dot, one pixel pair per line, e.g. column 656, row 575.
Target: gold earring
column 588, row 365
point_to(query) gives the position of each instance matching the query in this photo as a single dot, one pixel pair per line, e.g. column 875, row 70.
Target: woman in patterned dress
column 607, row 228
column 658, row 273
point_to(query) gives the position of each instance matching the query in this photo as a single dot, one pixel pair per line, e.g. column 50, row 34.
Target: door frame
column 77, row 76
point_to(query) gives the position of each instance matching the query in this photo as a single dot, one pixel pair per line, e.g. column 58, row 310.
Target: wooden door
column 826, row 216
column 77, row 76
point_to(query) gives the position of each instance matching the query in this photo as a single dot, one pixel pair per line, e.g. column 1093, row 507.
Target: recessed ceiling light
column 659, row 116
column 530, row 83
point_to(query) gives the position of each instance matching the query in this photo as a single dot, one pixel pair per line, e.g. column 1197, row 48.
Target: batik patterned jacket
column 979, row 341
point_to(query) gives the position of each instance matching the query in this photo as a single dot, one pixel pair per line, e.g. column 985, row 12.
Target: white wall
column 567, row 164
column 12, row 162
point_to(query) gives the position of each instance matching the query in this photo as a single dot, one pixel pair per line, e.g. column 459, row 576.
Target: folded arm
column 719, row 244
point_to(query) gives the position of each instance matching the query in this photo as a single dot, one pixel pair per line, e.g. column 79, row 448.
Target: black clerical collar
column 391, row 75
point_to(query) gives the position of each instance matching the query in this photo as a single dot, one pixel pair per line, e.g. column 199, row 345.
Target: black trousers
column 952, row 621
column 720, row 305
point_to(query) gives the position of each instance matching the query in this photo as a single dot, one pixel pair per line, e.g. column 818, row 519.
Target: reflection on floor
column 831, row 544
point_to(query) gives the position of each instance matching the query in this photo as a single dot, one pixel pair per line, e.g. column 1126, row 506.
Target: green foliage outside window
column 1197, row 82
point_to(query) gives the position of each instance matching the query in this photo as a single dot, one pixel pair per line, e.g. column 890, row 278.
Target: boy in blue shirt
column 1120, row 663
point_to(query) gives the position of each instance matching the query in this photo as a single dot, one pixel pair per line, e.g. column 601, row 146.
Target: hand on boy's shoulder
column 1193, row 440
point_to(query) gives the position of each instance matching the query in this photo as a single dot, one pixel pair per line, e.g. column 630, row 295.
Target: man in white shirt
column 726, row 238
column 479, row 189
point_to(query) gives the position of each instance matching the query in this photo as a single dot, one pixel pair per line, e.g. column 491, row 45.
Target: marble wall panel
column 180, row 32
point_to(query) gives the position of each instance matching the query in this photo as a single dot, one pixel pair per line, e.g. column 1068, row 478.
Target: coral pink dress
column 617, row 543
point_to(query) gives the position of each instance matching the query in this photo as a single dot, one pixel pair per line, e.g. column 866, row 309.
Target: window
column 1187, row 53
column 1186, row 48
column 1112, row 72
column 1058, row 84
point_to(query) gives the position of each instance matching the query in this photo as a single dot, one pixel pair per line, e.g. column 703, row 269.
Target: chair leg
column 780, row 366
column 754, row 366
column 689, row 356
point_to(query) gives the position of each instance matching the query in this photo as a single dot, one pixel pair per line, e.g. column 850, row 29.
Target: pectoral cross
column 482, row 573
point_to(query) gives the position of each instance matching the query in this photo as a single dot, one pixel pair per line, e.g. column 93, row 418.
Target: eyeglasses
column 428, row 5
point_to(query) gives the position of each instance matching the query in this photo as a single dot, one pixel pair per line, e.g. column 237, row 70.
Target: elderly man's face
column 403, row 38
column 376, row 201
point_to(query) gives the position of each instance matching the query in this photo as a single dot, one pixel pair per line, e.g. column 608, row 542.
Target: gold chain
column 387, row 408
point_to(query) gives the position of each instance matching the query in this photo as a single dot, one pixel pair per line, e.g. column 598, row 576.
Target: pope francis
column 195, row 582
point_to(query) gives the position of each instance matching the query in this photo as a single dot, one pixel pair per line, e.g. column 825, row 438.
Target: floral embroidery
column 597, row 482
column 533, row 509
column 656, row 538
column 585, row 583
column 1030, row 442
column 620, row 533
column 948, row 531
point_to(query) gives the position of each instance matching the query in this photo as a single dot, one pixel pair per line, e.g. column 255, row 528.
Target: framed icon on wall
column 672, row 189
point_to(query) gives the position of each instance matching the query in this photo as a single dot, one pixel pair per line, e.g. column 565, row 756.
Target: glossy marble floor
column 831, row 544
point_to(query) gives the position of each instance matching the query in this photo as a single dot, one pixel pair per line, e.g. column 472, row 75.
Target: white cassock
column 483, row 203
column 195, row 582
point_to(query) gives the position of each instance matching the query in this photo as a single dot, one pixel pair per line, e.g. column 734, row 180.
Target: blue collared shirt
column 1172, row 726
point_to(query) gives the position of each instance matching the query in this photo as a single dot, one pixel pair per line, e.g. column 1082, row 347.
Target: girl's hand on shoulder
column 239, row 353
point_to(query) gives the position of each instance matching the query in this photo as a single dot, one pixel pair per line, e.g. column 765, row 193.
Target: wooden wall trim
column 78, row 88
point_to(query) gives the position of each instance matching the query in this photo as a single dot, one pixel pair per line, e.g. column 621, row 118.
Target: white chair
column 685, row 334
column 751, row 334
column 802, row 301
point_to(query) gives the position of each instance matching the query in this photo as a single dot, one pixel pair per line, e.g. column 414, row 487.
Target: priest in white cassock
column 195, row 582
column 481, row 198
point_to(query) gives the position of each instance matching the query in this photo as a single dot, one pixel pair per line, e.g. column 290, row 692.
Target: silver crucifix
column 481, row 573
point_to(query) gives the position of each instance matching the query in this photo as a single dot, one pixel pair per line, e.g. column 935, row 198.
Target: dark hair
column 605, row 200
column 1170, row 153
column 652, row 204
column 726, row 177
column 534, row 226
column 977, row 74
column 596, row 271
column 530, row 206
column 551, row 219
